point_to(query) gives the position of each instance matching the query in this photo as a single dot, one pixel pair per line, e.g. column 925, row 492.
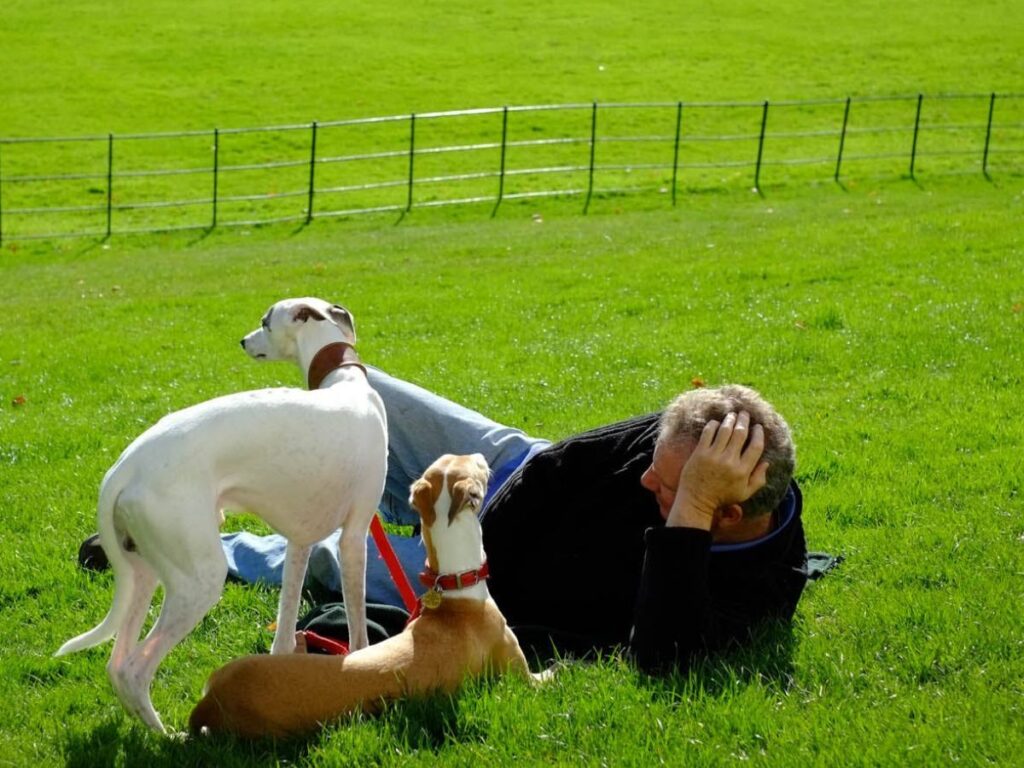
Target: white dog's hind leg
column 144, row 583
column 352, row 554
column 187, row 598
column 296, row 558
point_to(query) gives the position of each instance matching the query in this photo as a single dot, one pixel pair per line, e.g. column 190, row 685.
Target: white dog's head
column 275, row 339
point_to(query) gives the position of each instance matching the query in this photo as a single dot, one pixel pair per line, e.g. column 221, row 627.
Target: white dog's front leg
column 296, row 558
column 352, row 553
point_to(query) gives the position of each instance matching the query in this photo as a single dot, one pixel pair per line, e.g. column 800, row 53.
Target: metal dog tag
column 431, row 599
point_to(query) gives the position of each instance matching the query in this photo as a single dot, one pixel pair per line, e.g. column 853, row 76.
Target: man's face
column 662, row 477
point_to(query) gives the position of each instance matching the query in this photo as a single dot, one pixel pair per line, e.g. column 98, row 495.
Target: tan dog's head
column 451, row 487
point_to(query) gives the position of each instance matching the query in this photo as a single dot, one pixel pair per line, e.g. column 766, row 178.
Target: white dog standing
column 306, row 462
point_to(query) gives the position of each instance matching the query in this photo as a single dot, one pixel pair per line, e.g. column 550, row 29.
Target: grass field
column 134, row 71
column 885, row 320
column 86, row 67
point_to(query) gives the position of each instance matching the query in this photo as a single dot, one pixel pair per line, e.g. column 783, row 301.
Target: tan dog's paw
column 540, row 678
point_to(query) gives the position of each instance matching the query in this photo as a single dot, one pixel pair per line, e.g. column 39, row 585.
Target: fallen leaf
column 801, row 325
column 697, row 382
column 19, row 400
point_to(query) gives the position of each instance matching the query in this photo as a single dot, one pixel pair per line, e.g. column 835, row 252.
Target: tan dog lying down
column 465, row 635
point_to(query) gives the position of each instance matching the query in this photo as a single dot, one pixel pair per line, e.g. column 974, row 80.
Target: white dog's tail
column 124, row 578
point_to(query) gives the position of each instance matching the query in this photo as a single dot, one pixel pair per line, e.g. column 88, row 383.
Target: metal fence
column 97, row 186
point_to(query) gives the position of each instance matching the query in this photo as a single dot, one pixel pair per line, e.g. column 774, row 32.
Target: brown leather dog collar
column 340, row 354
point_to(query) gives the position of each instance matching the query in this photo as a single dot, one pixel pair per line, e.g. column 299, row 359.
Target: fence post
column 988, row 134
column 593, row 144
column 760, row 147
column 501, row 170
column 842, row 138
column 412, row 153
column 110, row 178
column 216, row 168
column 917, row 125
column 312, row 173
column 675, row 151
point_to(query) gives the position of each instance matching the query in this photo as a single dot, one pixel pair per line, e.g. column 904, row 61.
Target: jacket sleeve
column 678, row 614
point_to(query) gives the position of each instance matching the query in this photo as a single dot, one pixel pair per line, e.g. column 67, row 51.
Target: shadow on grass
column 420, row 724
column 199, row 238
column 767, row 657
column 427, row 723
column 767, row 660
column 116, row 742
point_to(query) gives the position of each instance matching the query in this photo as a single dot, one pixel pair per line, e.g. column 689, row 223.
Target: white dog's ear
column 304, row 312
column 343, row 319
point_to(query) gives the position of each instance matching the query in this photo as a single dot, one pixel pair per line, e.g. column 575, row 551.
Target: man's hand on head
column 720, row 472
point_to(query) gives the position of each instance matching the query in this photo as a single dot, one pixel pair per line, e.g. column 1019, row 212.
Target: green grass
column 886, row 325
column 885, row 320
column 89, row 67
column 148, row 67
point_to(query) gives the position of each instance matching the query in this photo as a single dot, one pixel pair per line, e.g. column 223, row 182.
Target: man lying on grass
column 669, row 535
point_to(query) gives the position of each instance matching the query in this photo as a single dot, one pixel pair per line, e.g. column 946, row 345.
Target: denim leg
column 423, row 426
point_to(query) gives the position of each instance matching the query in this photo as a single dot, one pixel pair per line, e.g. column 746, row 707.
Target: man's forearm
column 674, row 615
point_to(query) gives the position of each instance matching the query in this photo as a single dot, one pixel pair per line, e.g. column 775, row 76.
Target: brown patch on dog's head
column 467, row 484
column 304, row 312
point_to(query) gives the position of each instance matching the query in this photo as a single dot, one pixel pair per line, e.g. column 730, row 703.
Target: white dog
column 306, row 462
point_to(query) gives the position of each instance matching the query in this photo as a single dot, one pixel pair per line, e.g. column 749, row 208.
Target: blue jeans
column 421, row 427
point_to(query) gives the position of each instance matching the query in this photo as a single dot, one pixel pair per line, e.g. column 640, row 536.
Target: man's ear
column 729, row 516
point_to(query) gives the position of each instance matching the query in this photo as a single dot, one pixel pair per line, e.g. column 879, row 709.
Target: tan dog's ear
column 421, row 498
column 464, row 492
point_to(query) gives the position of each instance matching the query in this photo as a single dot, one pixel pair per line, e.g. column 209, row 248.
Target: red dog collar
column 437, row 584
column 450, row 581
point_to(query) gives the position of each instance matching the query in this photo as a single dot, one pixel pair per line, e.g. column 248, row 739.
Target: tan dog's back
column 288, row 695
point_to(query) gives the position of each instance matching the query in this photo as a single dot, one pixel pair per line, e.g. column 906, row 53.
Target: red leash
column 325, row 644
column 412, row 603
column 394, row 566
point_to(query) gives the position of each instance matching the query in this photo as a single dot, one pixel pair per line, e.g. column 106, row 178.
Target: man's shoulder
column 638, row 431
column 619, row 450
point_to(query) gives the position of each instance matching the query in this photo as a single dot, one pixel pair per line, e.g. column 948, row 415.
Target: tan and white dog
column 463, row 635
column 306, row 462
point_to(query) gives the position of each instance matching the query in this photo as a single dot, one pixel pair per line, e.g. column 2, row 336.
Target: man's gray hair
column 683, row 421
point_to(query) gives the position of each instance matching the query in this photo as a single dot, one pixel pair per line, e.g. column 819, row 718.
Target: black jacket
column 579, row 553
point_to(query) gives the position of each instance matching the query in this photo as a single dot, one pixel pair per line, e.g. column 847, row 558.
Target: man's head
column 680, row 428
